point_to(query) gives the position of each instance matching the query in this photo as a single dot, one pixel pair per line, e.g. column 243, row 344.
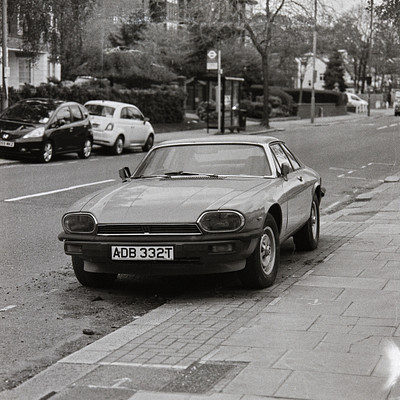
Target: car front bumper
column 25, row 149
column 191, row 257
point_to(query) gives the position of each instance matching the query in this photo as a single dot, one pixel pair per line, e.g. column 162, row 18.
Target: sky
column 342, row 5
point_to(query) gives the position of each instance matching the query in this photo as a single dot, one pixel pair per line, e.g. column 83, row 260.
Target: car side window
column 76, row 113
column 136, row 114
column 64, row 114
column 280, row 155
column 124, row 113
column 295, row 164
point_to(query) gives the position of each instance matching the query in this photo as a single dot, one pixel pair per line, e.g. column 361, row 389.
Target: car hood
column 171, row 200
column 16, row 129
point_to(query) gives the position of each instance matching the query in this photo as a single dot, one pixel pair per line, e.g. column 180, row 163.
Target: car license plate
column 142, row 253
column 5, row 143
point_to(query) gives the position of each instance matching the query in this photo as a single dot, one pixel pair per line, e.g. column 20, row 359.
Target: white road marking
column 381, row 163
column 355, row 177
column 393, row 125
column 338, row 169
column 58, row 190
column 381, row 127
column 7, row 308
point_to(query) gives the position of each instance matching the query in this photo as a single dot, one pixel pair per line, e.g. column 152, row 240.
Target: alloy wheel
column 267, row 251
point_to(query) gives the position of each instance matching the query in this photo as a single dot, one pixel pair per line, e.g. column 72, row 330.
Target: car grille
column 150, row 229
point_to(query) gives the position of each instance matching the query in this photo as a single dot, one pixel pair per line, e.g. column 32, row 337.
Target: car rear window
column 99, row 110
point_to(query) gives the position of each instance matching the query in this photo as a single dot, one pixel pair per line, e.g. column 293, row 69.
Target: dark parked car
column 197, row 206
column 41, row 128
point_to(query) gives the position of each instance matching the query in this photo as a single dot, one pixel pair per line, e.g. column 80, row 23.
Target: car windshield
column 217, row 159
column 34, row 111
column 100, row 110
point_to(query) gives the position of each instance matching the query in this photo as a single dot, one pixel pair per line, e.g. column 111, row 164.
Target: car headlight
column 38, row 132
column 110, row 127
column 79, row 223
column 221, row 221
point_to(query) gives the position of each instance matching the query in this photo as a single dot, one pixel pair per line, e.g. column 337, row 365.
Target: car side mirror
column 145, row 120
column 125, row 174
column 61, row 122
column 285, row 169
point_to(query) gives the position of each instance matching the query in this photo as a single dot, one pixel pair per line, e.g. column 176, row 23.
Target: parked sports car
column 119, row 126
column 198, row 206
column 41, row 127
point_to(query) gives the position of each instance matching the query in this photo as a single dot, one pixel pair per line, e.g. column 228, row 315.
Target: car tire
column 262, row 266
column 307, row 237
column 149, row 143
column 86, row 149
column 91, row 279
column 118, row 146
column 46, row 152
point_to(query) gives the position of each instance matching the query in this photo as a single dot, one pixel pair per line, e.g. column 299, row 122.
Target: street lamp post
column 369, row 87
column 313, row 64
column 5, row 69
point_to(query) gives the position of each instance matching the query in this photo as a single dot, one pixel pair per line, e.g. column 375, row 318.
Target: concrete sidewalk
column 329, row 330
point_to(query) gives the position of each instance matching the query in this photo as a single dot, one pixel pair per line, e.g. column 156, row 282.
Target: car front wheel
column 91, row 279
column 149, row 143
column 307, row 237
column 46, row 152
column 86, row 149
column 262, row 266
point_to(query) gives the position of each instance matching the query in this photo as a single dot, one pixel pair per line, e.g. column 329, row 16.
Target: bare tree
column 255, row 22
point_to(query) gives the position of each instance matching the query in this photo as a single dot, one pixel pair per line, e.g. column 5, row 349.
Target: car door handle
column 300, row 178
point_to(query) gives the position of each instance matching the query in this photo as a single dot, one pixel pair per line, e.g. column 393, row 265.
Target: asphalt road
column 45, row 314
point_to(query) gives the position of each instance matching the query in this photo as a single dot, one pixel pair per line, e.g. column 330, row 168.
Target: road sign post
column 214, row 63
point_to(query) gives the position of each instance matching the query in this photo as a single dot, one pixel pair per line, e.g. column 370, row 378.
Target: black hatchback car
column 41, row 128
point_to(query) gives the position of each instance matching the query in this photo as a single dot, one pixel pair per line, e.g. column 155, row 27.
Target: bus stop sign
column 212, row 60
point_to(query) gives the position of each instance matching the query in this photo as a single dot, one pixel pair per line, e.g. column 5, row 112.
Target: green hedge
column 280, row 103
column 160, row 104
column 321, row 96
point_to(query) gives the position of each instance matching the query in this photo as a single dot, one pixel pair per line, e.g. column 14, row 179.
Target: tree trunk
column 265, row 70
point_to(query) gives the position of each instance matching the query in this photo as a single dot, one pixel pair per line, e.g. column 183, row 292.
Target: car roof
column 109, row 103
column 45, row 100
column 56, row 102
column 241, row 138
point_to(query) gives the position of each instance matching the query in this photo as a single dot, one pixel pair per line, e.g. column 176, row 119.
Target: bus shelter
column 232, row 118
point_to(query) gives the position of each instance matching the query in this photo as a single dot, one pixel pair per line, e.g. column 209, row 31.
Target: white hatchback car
column 355, row 101
column 119, row 126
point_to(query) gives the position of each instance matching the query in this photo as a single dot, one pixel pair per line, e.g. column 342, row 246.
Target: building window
column 321, row 77
column 24, row 70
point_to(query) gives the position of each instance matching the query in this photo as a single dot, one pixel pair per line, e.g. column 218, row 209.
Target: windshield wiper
column 150, row 176
column 187, row 173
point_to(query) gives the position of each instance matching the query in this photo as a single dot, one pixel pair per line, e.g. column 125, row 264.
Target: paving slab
column 257, row 379
column 339, row 363
column 329, row 386
column 344, row 282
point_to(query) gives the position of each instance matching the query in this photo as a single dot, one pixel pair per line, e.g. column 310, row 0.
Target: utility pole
column 5, row 69
column 369, row 83
column 313, row 63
